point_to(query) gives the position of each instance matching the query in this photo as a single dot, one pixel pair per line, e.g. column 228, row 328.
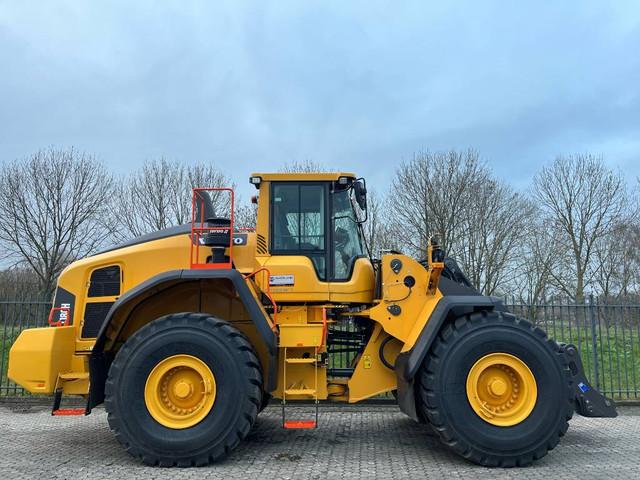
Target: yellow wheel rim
column 180, row 391
column 501, row 389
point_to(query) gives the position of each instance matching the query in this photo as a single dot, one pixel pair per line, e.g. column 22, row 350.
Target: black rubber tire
column 231, row 359
column 266, row 398
column 442, row 398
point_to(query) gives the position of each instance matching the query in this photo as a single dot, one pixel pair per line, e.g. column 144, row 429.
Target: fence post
column 594, row 340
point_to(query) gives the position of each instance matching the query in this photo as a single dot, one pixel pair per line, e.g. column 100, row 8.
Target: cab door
column 299, row 257
column 351, row 273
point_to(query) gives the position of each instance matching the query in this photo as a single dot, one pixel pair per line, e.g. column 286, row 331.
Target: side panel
column 138, row 263
column 371, row 377
column 294, row 279
column 119, row 314
column 244, row 251
column 38, row 355
column 359, row 288
column 406, row 305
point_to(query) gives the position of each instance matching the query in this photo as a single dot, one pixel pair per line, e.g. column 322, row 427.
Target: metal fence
column 607, row 335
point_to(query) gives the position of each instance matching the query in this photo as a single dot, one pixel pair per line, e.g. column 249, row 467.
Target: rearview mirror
column 360, row 193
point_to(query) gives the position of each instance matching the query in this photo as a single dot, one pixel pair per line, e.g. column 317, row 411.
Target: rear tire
column 266, row 398
column 238, row 390
column 443, row 398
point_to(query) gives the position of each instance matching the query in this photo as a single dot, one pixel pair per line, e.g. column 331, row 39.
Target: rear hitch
column 588, row 401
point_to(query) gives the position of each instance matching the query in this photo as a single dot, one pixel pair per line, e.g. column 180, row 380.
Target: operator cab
column 309, row 235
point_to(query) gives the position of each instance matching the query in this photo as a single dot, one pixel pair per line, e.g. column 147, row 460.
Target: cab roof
column 311, row 177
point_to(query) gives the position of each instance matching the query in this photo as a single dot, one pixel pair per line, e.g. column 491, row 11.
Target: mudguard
column 408, row 363
column 100, row 360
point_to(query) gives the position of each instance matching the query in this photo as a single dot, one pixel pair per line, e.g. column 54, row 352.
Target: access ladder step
column 73, row 376
column 300, row 424
column 300, row 391
column 56, row 411
column 300, row 360
column 68, row 411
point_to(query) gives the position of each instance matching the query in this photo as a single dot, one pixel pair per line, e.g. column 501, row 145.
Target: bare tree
column 534, row 262
column 430, row 193
column 19, row 282
column 144, row 200
column 200, row 175
column 53, row 210
column 371, row 229
column 245, row 215
column 583, row 200
column 303, row 166
column 480, row 220
column 616, row 261
column 159, row 195
column 493, row 227
column 379, row 232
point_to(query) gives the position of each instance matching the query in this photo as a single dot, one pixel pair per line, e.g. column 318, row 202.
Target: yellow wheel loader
column 187, row 333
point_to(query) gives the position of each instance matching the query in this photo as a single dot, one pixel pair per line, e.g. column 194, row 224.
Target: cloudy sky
column 353, row 85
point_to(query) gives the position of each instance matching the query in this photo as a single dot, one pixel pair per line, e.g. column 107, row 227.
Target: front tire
column 184, row 390
column 496, row 389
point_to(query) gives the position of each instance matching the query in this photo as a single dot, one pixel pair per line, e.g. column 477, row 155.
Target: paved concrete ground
column 362, row 442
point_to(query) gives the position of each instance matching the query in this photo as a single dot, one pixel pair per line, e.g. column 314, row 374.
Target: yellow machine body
column 44, row 359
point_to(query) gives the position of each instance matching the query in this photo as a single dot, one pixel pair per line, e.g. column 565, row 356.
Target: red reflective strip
column 60, row 323
column 68, row 411
column 300, row 424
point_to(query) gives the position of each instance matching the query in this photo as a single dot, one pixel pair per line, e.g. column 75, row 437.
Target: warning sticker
column 281, row 280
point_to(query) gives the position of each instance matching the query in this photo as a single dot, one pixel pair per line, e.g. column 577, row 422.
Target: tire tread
column 253, row 389
column 429, row 402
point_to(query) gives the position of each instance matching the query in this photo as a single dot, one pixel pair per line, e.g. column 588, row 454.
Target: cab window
column 298, row 215
column 347, row 246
